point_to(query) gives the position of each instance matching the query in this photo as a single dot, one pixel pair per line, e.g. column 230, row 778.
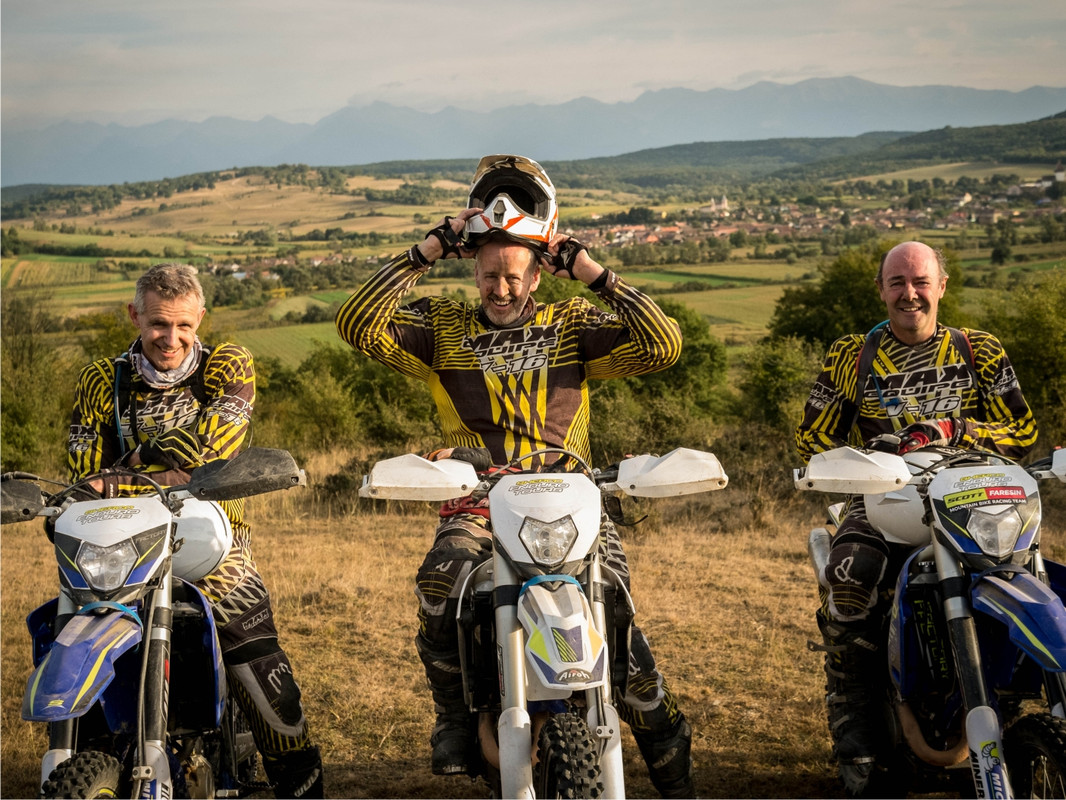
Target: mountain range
column 92, row 154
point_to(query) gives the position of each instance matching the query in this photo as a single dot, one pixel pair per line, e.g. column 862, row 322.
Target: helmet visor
column 517, row 201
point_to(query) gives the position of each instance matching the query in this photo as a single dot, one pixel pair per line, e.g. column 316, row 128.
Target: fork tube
column 516, row 765
column 983, row 732
column 154, row 766
column 603, row 716
column 62, row 736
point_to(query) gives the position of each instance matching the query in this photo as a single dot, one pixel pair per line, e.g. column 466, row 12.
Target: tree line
column 746, row 411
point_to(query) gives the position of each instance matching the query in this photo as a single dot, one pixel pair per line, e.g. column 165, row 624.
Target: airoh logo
column 573, row 676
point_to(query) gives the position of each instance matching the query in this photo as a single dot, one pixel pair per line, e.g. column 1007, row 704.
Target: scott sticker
column 984, row 496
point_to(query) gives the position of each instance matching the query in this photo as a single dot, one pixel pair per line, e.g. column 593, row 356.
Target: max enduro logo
column 511, row 352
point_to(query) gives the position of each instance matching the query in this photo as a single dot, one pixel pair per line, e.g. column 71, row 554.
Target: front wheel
column 88, row 774
column 1035, row 751
column 569, row 762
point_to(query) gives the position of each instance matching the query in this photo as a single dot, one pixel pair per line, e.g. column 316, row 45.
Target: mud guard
column 79, row 666
column 1034, row 615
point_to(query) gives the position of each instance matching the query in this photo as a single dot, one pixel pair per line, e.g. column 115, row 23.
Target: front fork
column 602, row 715
column 62, row 734
column 984, row 735
column 152, row 770
column 515, row 736
column 515, row 730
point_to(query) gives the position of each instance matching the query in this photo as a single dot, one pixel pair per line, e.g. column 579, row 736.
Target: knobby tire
column 1035, row 750
column 85, row 775
column 569, row 761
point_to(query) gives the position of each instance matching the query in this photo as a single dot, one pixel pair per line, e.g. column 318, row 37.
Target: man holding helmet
column 510, row 376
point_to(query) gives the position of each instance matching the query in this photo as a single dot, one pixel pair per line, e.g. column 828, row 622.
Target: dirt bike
column 976, row 640
column 544, row 624
column 128, row 669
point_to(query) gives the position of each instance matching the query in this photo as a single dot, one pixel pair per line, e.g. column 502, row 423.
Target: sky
column 133, row 62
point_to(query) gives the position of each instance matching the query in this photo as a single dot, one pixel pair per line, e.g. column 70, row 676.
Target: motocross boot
column 296, row 774
column 854, row 670
column 451, row 740
column 453, row 733
column 669, row 759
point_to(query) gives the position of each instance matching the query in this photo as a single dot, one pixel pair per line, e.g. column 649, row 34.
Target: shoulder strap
column 124, row 392
column 961, row 342
column 123, row 379
column 196, row 380
column 863, row 365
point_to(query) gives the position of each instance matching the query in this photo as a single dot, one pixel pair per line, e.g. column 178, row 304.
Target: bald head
column 911, row 280
column 913, row 250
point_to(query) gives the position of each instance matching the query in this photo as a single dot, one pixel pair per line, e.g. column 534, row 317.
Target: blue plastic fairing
column 1033, row 613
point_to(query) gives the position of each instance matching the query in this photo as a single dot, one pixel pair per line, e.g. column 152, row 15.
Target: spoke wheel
column 1035, row 750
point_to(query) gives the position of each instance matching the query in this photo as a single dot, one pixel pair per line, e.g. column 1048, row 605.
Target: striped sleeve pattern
column 828, row 411
column 372, row 322
column 637, row 339
column 1007, row 425
column 912, row 383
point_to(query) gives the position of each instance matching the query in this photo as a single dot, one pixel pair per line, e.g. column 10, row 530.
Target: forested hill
column 697, row 165
column 1028, row 142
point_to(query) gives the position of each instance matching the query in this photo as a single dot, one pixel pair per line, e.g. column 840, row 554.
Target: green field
column 290, row 344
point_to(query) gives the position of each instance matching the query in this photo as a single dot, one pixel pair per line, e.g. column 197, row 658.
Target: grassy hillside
column 1039, row 142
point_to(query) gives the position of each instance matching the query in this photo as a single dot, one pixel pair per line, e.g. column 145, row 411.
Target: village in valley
column 859, row 211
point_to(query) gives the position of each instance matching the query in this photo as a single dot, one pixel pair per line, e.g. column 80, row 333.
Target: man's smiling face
column 505, row 275
column 911, row 286
column 168, row 328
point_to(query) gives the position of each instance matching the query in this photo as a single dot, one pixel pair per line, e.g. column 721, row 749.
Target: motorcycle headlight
column 548, row 542
column 995, row 533
column 105, row 569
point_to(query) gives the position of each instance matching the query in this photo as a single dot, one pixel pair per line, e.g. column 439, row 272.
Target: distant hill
column 1040, row 140
column 582, row 129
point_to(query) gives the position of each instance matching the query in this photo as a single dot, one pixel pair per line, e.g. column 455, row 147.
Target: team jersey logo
column 514, row 351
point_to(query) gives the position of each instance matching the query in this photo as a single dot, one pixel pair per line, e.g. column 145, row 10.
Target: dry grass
column 725, row 598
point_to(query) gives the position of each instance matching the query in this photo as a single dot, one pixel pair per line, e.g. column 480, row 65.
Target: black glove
column 175, row 449
column 449, row 239
column 479, row 457
column 567, row 255
column 928, row 433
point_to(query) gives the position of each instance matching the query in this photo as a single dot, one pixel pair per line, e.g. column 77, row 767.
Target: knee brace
column 854, row 571
column 263, row 677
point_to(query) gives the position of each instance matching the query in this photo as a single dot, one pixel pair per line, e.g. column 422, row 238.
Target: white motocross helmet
column 518, row 202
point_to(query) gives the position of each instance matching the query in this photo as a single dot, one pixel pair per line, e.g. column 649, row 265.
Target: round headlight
column 995, row 533
column 105, row 569
column 548, row 542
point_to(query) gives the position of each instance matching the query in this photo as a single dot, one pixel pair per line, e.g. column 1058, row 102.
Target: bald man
column 927, row 385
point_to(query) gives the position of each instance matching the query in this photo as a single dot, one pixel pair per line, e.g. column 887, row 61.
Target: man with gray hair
column 165, row 407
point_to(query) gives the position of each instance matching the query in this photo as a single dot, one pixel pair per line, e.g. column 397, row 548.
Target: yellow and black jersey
column 512, row 390
column 909, row 383
column 220, row 420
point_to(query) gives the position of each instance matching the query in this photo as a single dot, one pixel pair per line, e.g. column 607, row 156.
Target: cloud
column 115, row 60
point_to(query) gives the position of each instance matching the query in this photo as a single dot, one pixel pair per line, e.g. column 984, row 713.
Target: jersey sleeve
column 830, row 409
column 636, row 339
column 1006, row 424
column 92, row 440
column 373, row 322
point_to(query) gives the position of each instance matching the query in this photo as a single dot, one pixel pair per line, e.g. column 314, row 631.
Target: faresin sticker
column 984, row 496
